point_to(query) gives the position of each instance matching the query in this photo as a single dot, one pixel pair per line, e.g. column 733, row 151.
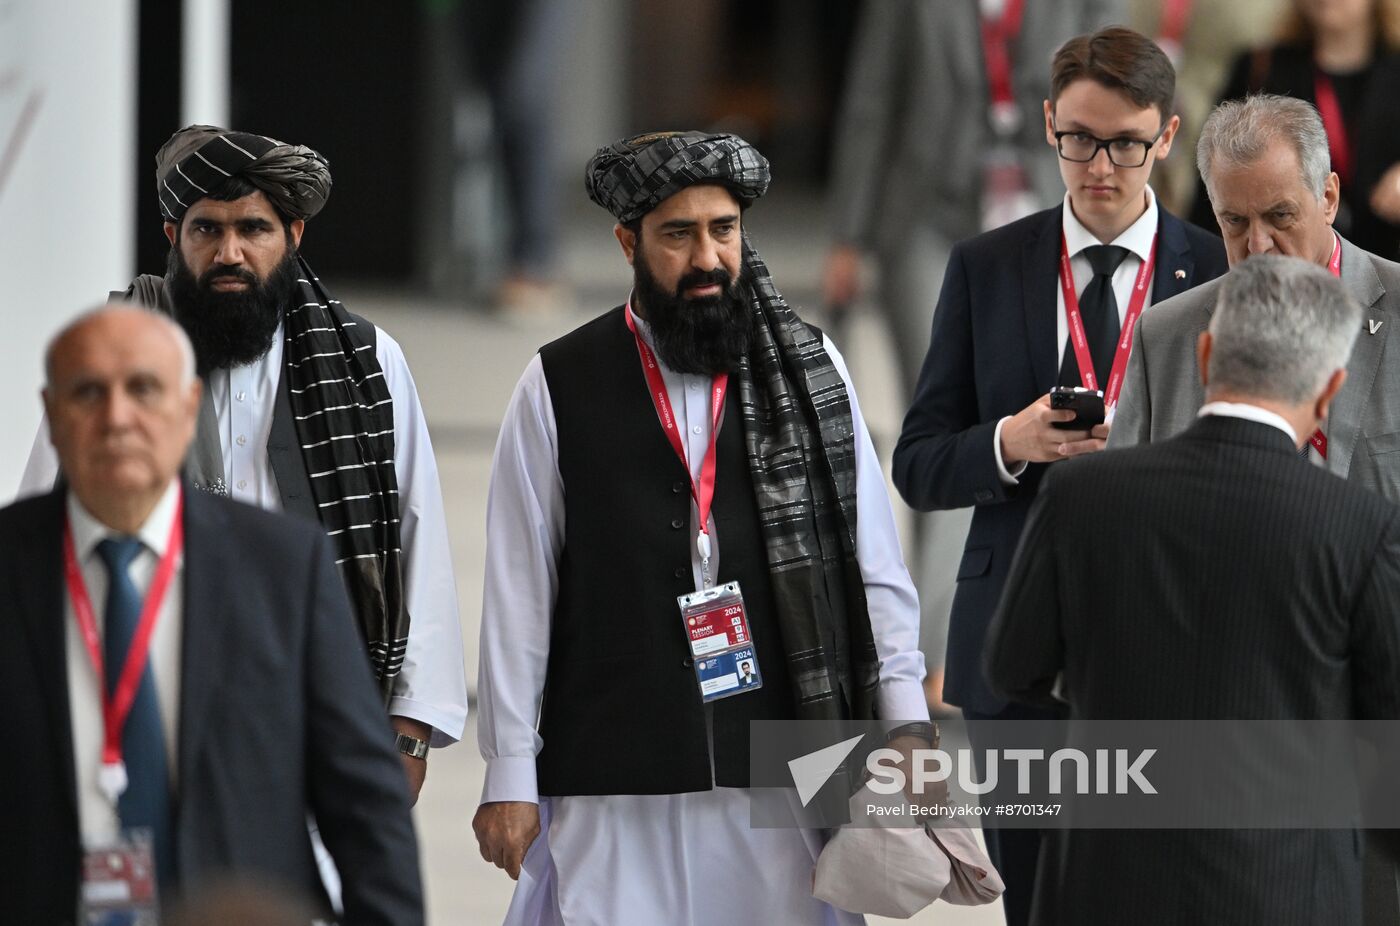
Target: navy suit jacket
column 995, row 350
column 279, row 716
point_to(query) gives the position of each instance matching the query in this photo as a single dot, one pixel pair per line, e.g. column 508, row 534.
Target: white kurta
column 432, row 687
column 645, row 859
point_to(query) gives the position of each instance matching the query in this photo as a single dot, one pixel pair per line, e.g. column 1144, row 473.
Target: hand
column 934, row 792
column 841, row 278
column 415, row 770
column 504, row 831
column 1385, row 198
column 1030, row 437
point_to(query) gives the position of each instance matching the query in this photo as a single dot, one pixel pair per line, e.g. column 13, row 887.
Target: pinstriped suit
column 1214, row 574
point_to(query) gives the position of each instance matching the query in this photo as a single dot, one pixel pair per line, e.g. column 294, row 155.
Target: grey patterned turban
column 199, row 157
column 631, row 177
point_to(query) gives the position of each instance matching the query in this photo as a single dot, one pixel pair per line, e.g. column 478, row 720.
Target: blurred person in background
column 516, row 51
column 617, row 771
column 307, row 409
column 182, row 670
column 1342, row 56
column 981, row 431
column 1202, row 38
column 939, row 137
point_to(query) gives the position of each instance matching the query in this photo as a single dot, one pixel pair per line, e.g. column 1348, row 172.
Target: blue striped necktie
column 146, row 801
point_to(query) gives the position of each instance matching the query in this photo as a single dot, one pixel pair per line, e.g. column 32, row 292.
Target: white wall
column 66, row 202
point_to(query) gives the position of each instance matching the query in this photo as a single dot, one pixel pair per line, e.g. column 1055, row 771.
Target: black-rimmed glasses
column 1081, row 147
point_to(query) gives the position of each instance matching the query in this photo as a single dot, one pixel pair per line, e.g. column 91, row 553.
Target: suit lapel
column 1344, row 418
column 38, row 585
column 1040, row 262
column 208, row 589
column 1175, row 272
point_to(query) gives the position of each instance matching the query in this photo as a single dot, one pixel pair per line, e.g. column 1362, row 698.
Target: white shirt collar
column 643, row 328
column 154, row 533
column 1137, row 238
column 1249, row 413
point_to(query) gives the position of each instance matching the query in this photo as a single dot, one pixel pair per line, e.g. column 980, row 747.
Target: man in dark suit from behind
column 225, row 631
column 1214, row 575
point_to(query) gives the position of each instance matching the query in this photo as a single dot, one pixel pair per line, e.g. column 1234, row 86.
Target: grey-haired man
column 1266, row 166
column 1218, row 576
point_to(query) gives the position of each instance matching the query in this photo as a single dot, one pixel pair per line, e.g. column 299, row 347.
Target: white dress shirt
column 699, row 845
column 1137, row 239
column 1249, row 413
column 432, row 687
column 97, row 817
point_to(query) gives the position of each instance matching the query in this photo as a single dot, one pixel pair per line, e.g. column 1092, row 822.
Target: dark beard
column 707, row 335
column 228, row 329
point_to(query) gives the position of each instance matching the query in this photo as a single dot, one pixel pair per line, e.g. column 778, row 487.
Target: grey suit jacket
column 1162, row 389
column 913, row 125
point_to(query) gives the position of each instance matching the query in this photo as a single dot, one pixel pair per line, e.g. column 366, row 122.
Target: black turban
column 631, row 177
column 200, row 157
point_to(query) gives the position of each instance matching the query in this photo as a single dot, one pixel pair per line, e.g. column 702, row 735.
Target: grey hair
column 1237, row 133
column 1281, row 327
column 182, row 340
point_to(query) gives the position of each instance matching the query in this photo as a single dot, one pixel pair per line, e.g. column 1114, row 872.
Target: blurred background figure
column 938, row 137
column 1201, row 38
column 514, row 51
column 240, row 903
column 1341, row 56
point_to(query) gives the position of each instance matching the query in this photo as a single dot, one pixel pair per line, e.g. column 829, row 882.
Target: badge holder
column 1006, row 194
column 721, row 643
column 119, row 882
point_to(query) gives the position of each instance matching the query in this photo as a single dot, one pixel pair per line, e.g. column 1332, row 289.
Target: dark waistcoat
column 622, row 712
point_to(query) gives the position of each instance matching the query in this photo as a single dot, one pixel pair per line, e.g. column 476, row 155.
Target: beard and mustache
column 702, row 335
column 233, row 328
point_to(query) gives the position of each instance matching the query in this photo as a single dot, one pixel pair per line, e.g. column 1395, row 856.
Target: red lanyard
column 116, row 708
column 997, row 36
column 1334, row 264
column 1171, row 30
column 704, row 493
column 1330, row 110
column 1125, row 337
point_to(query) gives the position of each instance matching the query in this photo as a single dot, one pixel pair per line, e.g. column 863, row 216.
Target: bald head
column 124, row 314
column 121, row 400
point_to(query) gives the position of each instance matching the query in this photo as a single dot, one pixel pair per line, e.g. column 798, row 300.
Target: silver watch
column 411, row 746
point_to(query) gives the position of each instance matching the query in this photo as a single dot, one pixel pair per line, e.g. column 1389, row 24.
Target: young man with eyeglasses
column 1046, row 301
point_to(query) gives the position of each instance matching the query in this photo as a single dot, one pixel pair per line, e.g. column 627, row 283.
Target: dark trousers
column 1014, row 852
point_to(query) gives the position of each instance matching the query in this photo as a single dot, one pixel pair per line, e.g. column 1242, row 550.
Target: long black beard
column 229, row 329
column 705, row 335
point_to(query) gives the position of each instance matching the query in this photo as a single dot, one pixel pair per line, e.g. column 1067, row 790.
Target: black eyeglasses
column 1081, row 147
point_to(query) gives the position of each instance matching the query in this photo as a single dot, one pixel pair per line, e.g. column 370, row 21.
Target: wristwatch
column 928, row 732
column 411, row 746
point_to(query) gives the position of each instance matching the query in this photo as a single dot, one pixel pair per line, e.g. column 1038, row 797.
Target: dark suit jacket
column 994, row 351
column 1212, row 575
column 278, row 717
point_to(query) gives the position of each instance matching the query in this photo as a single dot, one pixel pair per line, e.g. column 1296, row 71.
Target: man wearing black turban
column 699, row 436
column 308, row 409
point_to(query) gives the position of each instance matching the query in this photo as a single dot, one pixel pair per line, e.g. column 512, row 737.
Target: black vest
column 622, row 712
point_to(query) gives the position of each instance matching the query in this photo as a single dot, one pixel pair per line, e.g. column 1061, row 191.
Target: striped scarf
column 800, row 439
column 344, row 421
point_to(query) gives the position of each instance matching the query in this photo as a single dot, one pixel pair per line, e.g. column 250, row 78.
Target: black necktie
column 1099, row 310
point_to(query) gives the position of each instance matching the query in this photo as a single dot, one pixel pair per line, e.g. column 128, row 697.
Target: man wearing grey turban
column 697, row 438
column 308, row 409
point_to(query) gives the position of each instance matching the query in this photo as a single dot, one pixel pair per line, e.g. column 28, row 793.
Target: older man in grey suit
column 1266, row 166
